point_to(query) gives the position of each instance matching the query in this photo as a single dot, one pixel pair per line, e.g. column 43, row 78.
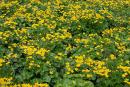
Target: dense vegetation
column 65, row 43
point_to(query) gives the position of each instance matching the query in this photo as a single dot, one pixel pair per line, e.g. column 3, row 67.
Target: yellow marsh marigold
column 5, row 81
column 127, row 81
column 89, row 75
column 102, row 71
column 98, row 16
column 79, row 60
column 29, row 50
column 74, row 18
column 89, row 62
column 129, row 39
column 62, row 18
column 124, row 68
column 85, row 70
column 112, row 56
column 124, row 75
column 41, row 51
column 26, row 85
column 68, row 68
column 41, row 85
column 1, row 61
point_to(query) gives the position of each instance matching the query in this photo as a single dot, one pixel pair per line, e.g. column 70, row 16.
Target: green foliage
column 74, row 83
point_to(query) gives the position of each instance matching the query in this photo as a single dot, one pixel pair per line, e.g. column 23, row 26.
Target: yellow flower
column 112, row 57
column 62, row 18
column 69, row 47
column 124, row 68
column 127, row 81
column 74, row 18
column 26, row 85
column 1, row 33
column 58, row 57
column 5, row 81
column 79, row 60
column 41, row 85
column 85, row 70
column 97, row 53
column 89, row 75
column 29, row 50
column 89, row 61
column 68, row 67
column 128, row 38
column 67, row 72
column 98, row 16
column 1, row 61
column 76, row 69
column 78, row 65
column 41, row 52
column 124, row 75
column 77, row 40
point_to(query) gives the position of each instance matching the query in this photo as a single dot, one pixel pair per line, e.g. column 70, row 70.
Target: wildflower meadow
column 64, row 43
